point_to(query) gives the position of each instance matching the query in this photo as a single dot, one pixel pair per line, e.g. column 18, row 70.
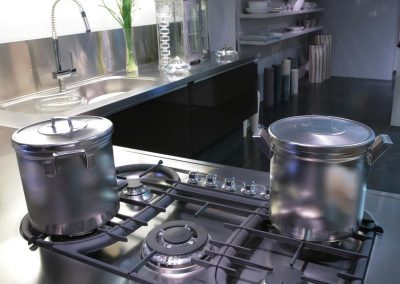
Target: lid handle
column 58, row 118
column 53, row 128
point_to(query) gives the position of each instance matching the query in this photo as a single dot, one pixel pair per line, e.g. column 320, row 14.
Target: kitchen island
column 20, row 265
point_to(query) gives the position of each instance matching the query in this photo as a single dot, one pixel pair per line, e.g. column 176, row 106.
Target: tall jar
column 182, row 30
column 169, row 14
column 195, row 29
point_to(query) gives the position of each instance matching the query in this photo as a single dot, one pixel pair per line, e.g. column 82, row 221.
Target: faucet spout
column 61, row 73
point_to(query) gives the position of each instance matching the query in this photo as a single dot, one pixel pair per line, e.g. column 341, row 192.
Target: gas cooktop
column 181, row 226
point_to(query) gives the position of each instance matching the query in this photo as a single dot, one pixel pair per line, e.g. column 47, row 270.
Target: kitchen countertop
column 20, row 265
column 164, row 84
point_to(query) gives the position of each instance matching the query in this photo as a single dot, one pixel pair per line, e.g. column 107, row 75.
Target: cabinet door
column 221, row 103
column 161, row 125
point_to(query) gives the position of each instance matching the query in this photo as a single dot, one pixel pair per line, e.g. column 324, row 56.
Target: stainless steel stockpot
column 68, row 174
column 319, row 168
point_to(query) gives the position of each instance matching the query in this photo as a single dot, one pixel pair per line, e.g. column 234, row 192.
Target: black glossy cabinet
column 221, row 103
column 161, row 125
column 188, row 120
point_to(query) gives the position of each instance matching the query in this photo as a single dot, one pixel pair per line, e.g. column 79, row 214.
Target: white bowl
column 309, row 5
column 258, row 5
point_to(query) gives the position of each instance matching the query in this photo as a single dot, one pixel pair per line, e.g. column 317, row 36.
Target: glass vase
column 131, row 66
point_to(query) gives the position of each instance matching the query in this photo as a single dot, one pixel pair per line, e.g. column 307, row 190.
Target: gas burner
column 174, row 244
column 30, row 233
column 136, row 190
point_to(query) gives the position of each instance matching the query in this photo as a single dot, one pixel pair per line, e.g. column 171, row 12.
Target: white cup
column 258, row 5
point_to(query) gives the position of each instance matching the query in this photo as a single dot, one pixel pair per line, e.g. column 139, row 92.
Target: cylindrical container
column 254, row 120
column 326, row 40
column 293, row 63
column 268, row 87
column 286, row 79
column 286, row 67
column 316, row 70
column 285, row 88
column 294, row 85
column 277, row 83
column 319, row 168
column 169, row 16
column 68, row 174
column 195, row 29
column 182, row 30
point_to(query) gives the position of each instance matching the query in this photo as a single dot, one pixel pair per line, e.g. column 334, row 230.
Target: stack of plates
column 295, row 28
column 276, row 10
column 261, row 37
column 257, row 11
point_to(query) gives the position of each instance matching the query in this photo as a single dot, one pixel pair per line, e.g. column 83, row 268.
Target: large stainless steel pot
column 319, row 168
column 68, row 174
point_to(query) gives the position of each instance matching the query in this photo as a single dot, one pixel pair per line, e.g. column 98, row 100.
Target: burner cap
column 136, row 190
column 134, row 183
column 176, row 236
column 162, row 239
column 174, row 244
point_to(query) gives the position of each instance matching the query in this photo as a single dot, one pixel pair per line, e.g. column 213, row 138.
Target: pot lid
column 62, row 131
column 325, row 133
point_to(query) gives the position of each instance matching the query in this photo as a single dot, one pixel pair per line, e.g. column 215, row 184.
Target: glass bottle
column 182, row 30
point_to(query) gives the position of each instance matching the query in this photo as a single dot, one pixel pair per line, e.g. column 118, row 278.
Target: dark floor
column 367, row 101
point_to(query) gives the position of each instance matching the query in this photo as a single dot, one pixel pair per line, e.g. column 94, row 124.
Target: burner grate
column 112, row 232
column 361, row 259
column 232, row 257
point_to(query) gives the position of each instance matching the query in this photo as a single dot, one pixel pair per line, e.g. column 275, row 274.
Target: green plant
column 124, row 18
column 124, row 14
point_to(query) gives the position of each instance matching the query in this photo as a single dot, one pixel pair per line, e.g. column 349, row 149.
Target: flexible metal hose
column 53, row 18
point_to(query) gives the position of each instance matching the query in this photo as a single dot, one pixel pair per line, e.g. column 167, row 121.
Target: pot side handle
column 381, row 144
column 261, row 137
column 50, row 168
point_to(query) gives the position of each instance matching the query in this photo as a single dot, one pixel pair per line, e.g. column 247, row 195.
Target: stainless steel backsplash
column 26, row 66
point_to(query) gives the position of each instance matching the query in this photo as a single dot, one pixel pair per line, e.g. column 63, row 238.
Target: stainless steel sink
column 78, row 95
column 113, row 86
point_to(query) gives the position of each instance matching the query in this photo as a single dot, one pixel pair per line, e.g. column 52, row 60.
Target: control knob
column 249, row 189
column 194, row 178
column 229, row 184
column 211, row 181
column 266, row 194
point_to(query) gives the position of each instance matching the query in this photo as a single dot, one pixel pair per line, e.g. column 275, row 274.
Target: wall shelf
column 280, row 14
column 286, row 36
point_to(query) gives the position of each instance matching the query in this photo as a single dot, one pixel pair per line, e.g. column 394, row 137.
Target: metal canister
column 319, row 168
column 68, row 174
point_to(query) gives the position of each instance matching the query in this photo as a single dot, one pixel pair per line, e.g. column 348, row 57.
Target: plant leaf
column 112, row 13
column 124, row 17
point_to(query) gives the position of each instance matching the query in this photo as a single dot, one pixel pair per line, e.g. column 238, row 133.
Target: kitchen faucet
column 61, row 73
